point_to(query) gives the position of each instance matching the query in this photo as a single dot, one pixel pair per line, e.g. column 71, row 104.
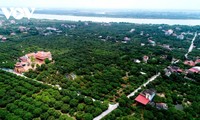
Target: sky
column 105, row 4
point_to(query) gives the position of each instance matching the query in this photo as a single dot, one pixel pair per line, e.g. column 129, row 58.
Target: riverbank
column 190, row 22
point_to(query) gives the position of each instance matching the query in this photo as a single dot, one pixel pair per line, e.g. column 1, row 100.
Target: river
column 190, row 22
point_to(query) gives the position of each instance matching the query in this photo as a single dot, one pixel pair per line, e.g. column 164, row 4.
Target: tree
column 118, row 112
column 37, row 112
column 3, row 113
column 65, row 108
column 28, row 116
column 66, row 99
column 81, row 106
column 73, row 102
column 88, row 101
column 148, row 115
column 47, row 61
column 44, row 116
column 79, row 115
column 31, row 108
column 51, row 118
column 58, row 105
column 44, row 107
column 87, row 116
column 65, row 117
column 97, row 111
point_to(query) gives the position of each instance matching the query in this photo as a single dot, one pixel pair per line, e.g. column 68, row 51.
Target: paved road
column 11, row 71
column 113, row 107
column 146, row 83
column 191, row 46
column 109, row 110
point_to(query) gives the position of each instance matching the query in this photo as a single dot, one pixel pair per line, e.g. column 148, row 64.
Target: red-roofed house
column 145, row 58
column 23, row 58
column 19, row 67
column 146, row 96
column 142, row 99
column 175, row 69
column 4, row 39
column 190, row 63
column 41, row 55
column 197, row 61
column 194, row 70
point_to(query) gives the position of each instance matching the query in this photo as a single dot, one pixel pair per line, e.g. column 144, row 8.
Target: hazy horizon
column 105, row 4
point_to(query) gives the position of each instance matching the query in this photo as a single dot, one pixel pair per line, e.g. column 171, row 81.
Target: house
column 137, row 61
column 190, row 63
column 23, row 58
column 166, row 46
column 3, row 39
column 175, row 69
column 132, row 30
column 197, row 61
column 181, row 37
column 127, row 38
column 142, row 33
column 145, row 96
column 41, row 55
column 46, row 34
column 12, row 34
column 161, row 106
column 19, row 67
column 178, row 28
column 174, row 34
column 30, row 55
column 167, row 72
column 51, row 28
column 22, row 29
column 174, row 61
column 172, row 69
column 195, row 69
column 12, row 21
column 142, row 44
column 124, row 41
column 153, row 43
column 71, row 76
column 145, row 58
column 169, row 32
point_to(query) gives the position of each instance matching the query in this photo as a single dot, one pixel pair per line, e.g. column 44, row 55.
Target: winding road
column 11, row 71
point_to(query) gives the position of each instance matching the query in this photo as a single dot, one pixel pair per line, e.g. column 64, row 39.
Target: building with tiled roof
column 190, row 63
column 145, row 96
column 29, row 61
column 195, row 69
column 161, row 106
column 41, row 55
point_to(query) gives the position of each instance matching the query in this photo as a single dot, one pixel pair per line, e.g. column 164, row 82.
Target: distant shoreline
column 190, row 22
